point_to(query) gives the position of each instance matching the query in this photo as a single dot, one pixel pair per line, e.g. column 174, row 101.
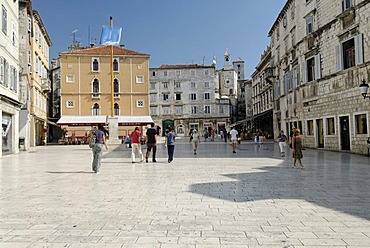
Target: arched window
column 116, row 109
column 95, row 65
column 96, row 88
column 116, row 87
column 96, row 109
column 115, row 65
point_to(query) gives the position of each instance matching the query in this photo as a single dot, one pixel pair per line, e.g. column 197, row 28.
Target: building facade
column 262, row 96
column 40, row 83
column 187, row 97
column 86, row 87
column 320, row 52
column 9, row 77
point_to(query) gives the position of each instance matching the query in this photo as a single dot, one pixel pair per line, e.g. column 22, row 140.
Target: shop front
column 7, row 131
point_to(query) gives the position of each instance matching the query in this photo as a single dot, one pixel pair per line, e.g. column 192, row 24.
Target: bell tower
column 227, row 60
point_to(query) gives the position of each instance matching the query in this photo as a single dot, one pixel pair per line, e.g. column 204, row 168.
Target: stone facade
column 187, row 97
column 320, row 53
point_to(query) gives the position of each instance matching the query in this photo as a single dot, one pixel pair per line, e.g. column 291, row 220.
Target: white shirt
column 233, row 134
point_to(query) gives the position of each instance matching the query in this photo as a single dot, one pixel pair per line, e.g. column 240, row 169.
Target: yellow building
column 86, row 89
column 40, row 83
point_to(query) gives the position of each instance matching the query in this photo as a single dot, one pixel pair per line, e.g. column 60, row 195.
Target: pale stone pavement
column 49, row 197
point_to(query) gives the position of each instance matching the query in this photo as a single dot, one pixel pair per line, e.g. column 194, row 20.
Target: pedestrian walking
column 151, row 138
column 170, row 143
column 282, row 139
column 234, row 138
column 97, row 149
column 136, row 146
column 297, row 148
column 260, row 137
column 195, row 140
column 224, row 133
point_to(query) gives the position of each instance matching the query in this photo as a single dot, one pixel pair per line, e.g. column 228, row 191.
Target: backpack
column 92, row 141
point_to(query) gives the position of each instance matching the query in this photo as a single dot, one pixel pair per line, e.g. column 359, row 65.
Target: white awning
column 82, row 120
column 85, row 120
column 134, row 120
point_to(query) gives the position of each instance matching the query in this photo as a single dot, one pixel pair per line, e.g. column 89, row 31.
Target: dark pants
column 149, row 148
column 171, row 150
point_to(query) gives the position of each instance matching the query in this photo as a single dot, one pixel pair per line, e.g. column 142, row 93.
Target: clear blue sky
column 170, row 31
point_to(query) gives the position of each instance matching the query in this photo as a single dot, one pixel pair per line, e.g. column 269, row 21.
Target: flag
column 110, row 35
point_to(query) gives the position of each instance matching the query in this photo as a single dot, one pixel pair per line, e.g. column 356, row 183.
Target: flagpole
column 111, row 73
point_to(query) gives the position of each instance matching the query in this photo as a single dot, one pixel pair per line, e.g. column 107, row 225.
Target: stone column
column 113, row 131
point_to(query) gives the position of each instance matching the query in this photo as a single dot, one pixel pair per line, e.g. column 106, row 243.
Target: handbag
column 92, row 141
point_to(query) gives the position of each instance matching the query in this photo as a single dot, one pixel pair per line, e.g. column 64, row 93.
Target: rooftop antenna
column 76, row 43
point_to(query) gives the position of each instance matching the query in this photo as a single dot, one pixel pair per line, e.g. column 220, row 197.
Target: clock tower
column 227, row 77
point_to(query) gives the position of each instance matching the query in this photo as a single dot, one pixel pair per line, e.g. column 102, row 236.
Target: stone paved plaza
column 49, row 197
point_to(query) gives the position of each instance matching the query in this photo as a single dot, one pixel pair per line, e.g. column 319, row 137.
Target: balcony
column 45, row 85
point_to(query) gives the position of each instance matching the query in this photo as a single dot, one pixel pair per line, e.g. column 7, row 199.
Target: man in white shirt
column 234, row 138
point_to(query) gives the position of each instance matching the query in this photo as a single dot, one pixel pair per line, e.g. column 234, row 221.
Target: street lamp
column 363, row 89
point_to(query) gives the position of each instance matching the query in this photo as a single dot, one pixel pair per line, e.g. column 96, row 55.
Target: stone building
column 320, row 53
column 188, row 97
column 9, row 77
column 262, row 95
column 88, row 96
column 40, row 82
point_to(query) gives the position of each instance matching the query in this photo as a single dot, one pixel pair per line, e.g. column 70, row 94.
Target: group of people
column 296, row 144
column 135, row 142
column 152, row 135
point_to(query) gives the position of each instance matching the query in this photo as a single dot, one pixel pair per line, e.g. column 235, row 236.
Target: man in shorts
column 234, row 138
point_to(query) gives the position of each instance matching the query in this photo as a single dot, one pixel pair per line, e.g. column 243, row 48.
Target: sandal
column 294, row 167
column 302, row 167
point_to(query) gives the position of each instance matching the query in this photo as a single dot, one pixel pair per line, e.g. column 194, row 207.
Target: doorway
column 344, row 133
column 320, row 133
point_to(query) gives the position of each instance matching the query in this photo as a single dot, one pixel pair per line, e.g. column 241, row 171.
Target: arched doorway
column 166, row 124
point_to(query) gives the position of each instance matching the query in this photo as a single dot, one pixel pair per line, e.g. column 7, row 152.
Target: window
column 14, row 79
column 96, row 88
column 29, row 27
column 285, row 21
column 96, row 109
column 116, row 87
column 292, row 36
column 177, row 85
column 165, row 97
column 115, row 65
column 140, row 103
column 116, row 109
column 178, row 110
column 346, row 4
column 361, row 124
column 310, row 127
column 330, row 126
column 165, row 73
column 178, row 96
column 166, row 110
column 153, row 73
column 207, row 96
column 194, row 109
column 309, row 24
column 152, row 86
column 207, row 109
column 4, row 23
column 192, row 84
column 2, row 70
column 6, row 73
column 70, row 78
column 139, row 79
column 70, row 104
column 193, row 96
column 350, row 53
column 312, row 69
column 153, row 97
column 206, row 84
column 95, row 64
column 14, row 33
column 178, row 73
column 139, row 67
column 153, row 110
column 192, row 72
column 165, row 85
column 206, row 72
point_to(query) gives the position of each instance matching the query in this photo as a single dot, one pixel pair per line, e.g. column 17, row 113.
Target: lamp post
column 363, row 89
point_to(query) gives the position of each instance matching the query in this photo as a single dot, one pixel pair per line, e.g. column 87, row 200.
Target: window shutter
column 317, row 67
column 295, row 77
column 359, row 50
column 286, row 84
column 339, row 58
column 304, row 71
